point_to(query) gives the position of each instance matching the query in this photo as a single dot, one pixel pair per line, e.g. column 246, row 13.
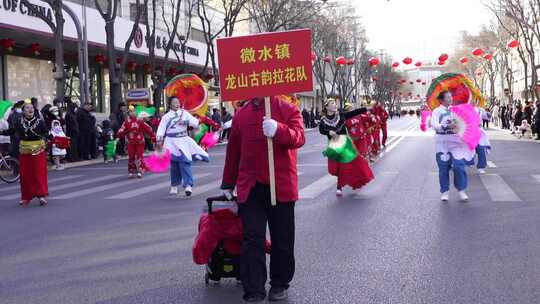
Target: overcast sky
column 422, row 29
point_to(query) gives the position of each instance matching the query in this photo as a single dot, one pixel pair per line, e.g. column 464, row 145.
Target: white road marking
column 498, row 189
column 118, row 185
column 491, row 164
column 51, row 180
column 314, row 189
column 68, row 185
column 537, row 177
column 148, row 189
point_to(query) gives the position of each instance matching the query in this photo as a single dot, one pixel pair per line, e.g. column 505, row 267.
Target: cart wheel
column 206, row 278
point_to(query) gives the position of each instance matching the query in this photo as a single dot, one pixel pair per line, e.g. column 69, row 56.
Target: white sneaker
column 481, row 171
column 139, row 175
column 188, row 191
column 445, row 196
column 339, row 192
column 463, row 196
column 131, row 175
column 60, row 168
column 174, row 191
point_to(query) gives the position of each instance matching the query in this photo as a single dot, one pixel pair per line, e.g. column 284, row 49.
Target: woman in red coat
column 356, row 173
column 246, row 168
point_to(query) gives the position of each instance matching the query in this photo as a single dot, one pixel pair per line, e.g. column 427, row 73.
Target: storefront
column 27, row 56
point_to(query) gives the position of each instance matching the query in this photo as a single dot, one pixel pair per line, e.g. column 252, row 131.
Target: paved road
column 104, row 239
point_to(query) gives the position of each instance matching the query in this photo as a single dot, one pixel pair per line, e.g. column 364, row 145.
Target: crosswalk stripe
column 68, row 185
column 498, row 189
column 491, row 164
column 319, row 186
column 131, row 182
column 148, row 189
column 51, row 180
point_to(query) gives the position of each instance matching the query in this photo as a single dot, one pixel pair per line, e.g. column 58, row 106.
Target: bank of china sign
column 14, row 6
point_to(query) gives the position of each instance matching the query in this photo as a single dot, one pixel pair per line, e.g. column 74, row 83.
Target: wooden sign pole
column 271, row 167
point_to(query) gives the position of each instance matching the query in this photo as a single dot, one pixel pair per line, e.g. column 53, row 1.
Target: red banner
column 266, row 64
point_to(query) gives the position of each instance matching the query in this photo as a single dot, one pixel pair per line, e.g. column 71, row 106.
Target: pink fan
column 424, row 121
column 210, row 139
column 468, row 124
column 159, row 162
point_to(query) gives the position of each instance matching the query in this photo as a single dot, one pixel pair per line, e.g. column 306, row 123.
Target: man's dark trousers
column 255, row 213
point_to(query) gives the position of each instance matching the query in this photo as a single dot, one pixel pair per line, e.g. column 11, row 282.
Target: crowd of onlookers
column 521, row 118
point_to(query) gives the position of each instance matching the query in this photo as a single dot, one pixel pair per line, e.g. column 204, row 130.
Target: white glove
column 228, row 193
column 269, row 127
column 332, row 134
column 227, row 125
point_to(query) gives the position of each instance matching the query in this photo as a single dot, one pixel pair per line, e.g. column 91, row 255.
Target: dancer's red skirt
column 33, row 170
column 355, row 174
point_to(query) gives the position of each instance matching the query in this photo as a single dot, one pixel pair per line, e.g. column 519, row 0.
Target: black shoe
column 277, row 294
column 254, row 298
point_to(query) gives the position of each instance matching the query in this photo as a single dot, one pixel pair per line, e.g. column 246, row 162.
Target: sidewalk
column 496, row 133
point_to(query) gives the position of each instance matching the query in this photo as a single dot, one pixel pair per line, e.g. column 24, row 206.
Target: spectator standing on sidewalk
column 72, row 131
column 87, row 129
column 502, row 114
column 486, row 117
column 121, row 116
column 518, row 117
column 216, row 117
column 305, row 117
column 225, row 117
column 14, row 139
column 537, row 120
column 528, row 112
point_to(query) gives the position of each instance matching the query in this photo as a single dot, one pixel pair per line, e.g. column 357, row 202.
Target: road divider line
column 68, row 185
column 498, row 189
column 151, row 188
column 314, row 189
column 51, row 180
column 117, row 185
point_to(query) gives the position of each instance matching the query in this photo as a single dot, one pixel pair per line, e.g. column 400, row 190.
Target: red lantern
column 424, row 83
column 418, row 64
column 479, row 73
column 375, row 78
column 418, row 80
column 146, row 68
column 7, row 44
column 313, row 56
column 209, row 77
column 464, row 60
column 514, row 43
column 35, row 48
column 171, row 71
column 341, row 60
column 443, row 57
column 407, row 60
column 100, row 59
column 131, row 65
column 327, row 59
column 488, row 57
column 403, row 80
column 118, row 60
column 350, row 62
column 411, row 83
column 373, row 61
column 477, row 52
column 440, row 63
column 395, row 64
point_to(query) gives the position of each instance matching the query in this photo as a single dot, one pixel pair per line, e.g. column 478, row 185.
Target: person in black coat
column 120, row 117
column 87, row 132
column 537, row 120
column 72, row 131
column 15, row 116
column 518, row 117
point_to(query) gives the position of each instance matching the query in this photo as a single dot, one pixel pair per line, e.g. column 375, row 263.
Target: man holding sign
column 261, row 154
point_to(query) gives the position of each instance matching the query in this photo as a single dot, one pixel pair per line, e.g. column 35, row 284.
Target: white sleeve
column 192, row 120
column 435, row 116
column 163, row 125
column 227, row 125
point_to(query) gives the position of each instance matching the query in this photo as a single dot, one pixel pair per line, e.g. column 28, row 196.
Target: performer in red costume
column 358, row 132
column 246, row 168
column 375, row 132
column 355, row 174
column 134, row 130
column 379, row 110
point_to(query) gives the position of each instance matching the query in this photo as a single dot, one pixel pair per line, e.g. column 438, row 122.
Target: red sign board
column 266, row 64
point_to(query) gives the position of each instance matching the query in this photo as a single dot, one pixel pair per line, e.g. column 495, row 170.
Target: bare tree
column 275, row 15
column 57, row 27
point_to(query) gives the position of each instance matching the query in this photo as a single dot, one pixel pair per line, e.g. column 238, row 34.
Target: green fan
column 341, row 149
column 5, row 106
column 144, row 112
